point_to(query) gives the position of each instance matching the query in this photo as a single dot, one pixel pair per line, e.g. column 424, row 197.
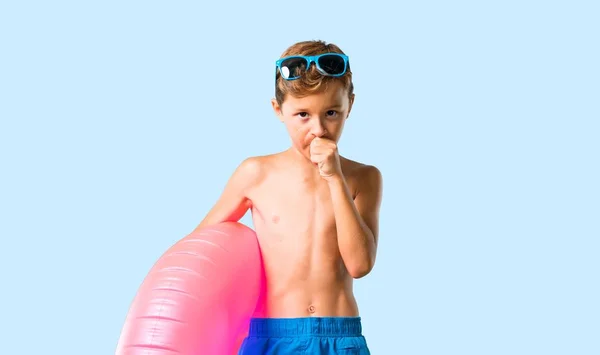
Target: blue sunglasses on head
column 328, row 64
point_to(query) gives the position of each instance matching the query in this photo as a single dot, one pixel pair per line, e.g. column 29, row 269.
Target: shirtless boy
column 315, row 213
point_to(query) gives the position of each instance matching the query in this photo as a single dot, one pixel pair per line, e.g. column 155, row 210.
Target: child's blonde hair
column 311, row 81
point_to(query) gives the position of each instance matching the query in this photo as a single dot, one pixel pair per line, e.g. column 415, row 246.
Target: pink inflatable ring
column 198, row 297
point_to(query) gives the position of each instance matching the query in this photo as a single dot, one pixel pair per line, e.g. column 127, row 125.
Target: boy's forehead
column 335, row 94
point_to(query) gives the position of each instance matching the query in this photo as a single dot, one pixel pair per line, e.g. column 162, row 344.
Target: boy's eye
column 331, row 113
column 303, row 114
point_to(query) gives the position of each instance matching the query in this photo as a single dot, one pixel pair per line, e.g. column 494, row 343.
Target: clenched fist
column 324, row 153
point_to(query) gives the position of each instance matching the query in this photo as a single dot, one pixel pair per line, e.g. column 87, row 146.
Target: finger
column 314, row 145
column 322, row 142
column 317, row 148
column 316, row 158
column 323, row 152
column 324, row 146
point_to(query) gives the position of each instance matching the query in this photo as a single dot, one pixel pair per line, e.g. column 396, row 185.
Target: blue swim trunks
column 310, row 335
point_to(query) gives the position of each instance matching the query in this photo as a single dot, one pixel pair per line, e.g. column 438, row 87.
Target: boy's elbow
column 361, row 269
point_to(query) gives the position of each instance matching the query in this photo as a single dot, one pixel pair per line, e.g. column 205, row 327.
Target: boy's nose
column 318, row 130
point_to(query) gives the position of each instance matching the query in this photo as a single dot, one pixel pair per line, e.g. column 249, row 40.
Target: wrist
column 336, row 180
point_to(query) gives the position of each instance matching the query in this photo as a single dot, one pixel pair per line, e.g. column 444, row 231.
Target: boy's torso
column 294, row 220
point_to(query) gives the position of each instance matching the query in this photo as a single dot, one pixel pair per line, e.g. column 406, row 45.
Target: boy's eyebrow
column 329, row 108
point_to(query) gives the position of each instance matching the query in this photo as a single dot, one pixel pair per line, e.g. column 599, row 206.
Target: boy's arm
column 357, row 221
column 233, row 202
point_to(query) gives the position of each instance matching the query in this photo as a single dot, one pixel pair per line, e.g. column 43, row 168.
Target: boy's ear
column 277, row 109
column 350, row 106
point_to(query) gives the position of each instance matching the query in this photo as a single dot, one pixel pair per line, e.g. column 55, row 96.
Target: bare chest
column 296, row 230
column 284, row 210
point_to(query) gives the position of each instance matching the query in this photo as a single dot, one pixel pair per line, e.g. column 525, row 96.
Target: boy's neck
column 301, row 161
column 297, row 156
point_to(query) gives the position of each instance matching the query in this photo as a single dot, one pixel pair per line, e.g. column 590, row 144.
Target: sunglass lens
column 293, row 67
column 332, row 64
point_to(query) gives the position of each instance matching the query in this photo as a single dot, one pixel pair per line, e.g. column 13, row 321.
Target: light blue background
column 122, row 120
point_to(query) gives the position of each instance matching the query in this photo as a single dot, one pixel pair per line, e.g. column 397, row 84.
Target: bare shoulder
column 364, row 175
column 254, row 169
column 251, row 169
